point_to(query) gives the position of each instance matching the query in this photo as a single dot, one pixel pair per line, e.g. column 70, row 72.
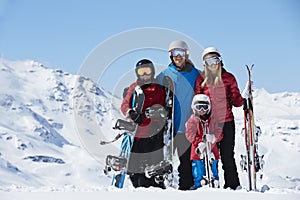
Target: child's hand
column 211, row 138
column 201, row 147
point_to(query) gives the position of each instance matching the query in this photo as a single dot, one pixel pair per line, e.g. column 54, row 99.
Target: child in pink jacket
column 195, row 132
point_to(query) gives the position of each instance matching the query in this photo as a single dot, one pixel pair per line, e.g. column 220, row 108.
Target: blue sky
column 62, row 34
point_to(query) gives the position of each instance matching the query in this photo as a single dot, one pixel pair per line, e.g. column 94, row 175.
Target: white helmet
column 178, row 44
column 200, row 98
column 210, row 50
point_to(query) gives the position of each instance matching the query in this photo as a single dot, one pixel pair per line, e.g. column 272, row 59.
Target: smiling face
column 201, row 108
column 145, row 74
column 179, row 61
column 178, row 57
column 201, row 112
column 214, row 66
column 145, row 79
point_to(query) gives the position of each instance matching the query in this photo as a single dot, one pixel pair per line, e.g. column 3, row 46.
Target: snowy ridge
column 52, row 123
column 39, row 144
column 278, row 115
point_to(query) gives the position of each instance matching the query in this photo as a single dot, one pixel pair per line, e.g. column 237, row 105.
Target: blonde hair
column 210, row 78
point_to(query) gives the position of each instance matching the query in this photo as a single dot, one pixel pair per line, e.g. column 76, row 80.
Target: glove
column 201, row 147
column 156, row 111
column 136, row 117
column 245, row 91
column 245, row 94
column 211, row 138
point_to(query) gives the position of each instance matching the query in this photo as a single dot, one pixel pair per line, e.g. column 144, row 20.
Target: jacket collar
column 187, row 68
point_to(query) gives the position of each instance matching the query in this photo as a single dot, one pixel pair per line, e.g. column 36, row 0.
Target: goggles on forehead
column 199, row 107
column 176, row 52
column 212, row 61
column 144, row 71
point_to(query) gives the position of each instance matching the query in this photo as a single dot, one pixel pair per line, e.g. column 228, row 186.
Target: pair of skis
column 209, row 158
column 251, row 162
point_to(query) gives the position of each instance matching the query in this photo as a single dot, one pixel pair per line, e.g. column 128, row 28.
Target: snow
column 52, row 123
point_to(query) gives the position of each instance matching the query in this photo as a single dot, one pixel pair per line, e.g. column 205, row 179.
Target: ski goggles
column 199, row 107
column 144, row 71
column 176, row 52
column 212, row 61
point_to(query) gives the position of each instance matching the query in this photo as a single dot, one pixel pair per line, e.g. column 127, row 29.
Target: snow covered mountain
column 39, row 140
column 52, row 122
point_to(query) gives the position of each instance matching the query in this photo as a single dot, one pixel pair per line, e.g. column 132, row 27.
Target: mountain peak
column 40, row 106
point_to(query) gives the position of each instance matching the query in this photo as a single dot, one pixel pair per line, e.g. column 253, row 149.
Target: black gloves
column 136, row 117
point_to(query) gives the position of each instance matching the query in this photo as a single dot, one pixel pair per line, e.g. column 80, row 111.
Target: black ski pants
column 226, row 146
column 145, row 151
column 183, row 146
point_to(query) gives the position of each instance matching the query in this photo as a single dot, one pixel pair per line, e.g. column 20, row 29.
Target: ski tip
column 249, row 68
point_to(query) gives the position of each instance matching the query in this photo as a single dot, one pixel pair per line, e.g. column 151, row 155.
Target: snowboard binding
column 115, row 163
column 160, row 169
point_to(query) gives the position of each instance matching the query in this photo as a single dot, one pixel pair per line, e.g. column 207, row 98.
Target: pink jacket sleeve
column 192, row 131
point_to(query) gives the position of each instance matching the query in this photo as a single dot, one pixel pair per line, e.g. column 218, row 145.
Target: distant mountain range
column 52, row 122
column 42, row 112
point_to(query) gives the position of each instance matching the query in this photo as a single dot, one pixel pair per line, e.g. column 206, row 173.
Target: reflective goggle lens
column 200, row 107
column 144, row 71
column 177, row 52
column 212, row 61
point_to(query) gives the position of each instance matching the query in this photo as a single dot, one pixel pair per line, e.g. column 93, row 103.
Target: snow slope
column 52, row 122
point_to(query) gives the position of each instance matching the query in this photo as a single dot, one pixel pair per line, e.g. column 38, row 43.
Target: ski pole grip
column 245, row 104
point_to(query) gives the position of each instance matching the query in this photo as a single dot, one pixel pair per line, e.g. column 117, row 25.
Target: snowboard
column 119, row 163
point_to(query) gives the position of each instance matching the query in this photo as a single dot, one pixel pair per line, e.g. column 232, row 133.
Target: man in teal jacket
column 182, row 71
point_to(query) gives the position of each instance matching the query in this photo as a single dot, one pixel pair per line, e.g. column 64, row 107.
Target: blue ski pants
column 198, row 170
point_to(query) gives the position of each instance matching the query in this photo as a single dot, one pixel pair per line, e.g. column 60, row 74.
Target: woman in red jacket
column 147, row 148
column 222, row 88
